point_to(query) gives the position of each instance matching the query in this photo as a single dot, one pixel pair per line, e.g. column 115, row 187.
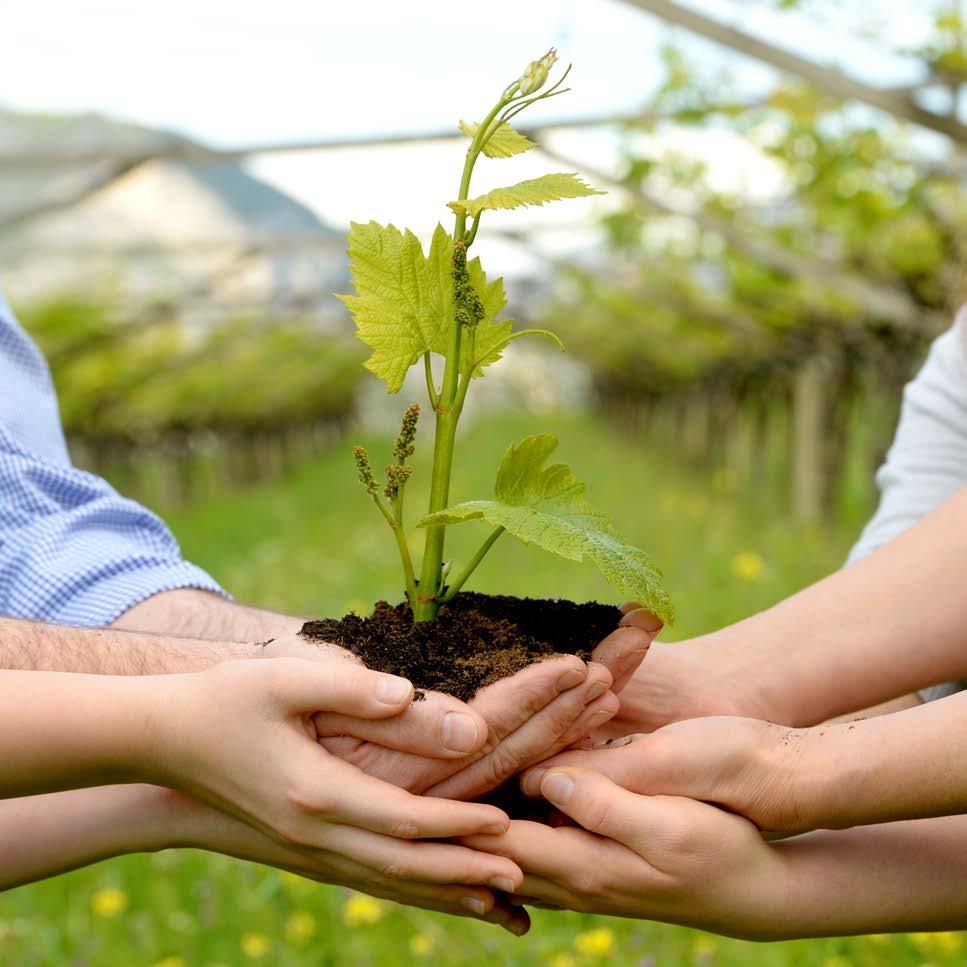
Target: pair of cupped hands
column 305, row 760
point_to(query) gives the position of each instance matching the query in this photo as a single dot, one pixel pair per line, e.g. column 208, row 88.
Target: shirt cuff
column 102, row 601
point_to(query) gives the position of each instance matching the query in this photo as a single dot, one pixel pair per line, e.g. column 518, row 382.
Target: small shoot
column 410, row 305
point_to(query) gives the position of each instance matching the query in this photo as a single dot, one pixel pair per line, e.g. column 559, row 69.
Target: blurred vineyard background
column 783, row 236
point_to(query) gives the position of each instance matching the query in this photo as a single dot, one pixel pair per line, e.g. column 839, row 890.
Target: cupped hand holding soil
column 551, row 702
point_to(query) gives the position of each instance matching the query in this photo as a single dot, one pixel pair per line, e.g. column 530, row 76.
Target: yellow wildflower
column 562, row 960
column 421, row 945
column 255, row 945
column 748, row 566
column 703, row 948
column 837, row 961
column 299, row 927
column 361, row 909
column 171, row 962
column 595, row 943
column 109, row 902
column 948, row 941
column 922, row 941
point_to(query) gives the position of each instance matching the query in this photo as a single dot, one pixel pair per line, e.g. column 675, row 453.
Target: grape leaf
column 545, row 505
column 403, row 304
column 536, row 191
column 505, row 142
column 403, row 300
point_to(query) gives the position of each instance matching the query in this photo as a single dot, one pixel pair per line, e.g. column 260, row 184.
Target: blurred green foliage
column 858, row 254
column 138, row 379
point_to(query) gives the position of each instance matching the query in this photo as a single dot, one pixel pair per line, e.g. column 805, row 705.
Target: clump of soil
column 474, row 641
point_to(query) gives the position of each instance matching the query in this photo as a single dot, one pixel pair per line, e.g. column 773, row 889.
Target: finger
column 405, row 861
column 627, row 606
column 337, row 686
column 354, row 798
column 601, row 806
column 637, row 617
column 594, row 717
column 621, row 764
column 545, row 732
column 455, row 899
column 547, row 894
column 622, row 652
column 440, row 727
column 540, row 849
column 533, row 901
column 509, row 703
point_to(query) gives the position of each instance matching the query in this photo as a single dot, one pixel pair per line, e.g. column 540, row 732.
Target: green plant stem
column 399, row 531
column 472, row 234
column 448, row 409
column 430, row 385
column 458, row 582
column 395, row 521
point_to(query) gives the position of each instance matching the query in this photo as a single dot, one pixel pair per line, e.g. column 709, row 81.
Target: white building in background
column 208, row 238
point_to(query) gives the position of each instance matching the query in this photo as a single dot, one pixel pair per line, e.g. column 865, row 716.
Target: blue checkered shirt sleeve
column 72, row 550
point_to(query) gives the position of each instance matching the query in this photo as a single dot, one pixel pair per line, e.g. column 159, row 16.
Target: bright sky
column 232, row 72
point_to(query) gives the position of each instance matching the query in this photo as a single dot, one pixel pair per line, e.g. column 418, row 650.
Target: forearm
column 874, row 879
column 66, row 731
column 908, row 765
column 885, row 626
column 33, row 646
column 42, row 836
column 191, row 613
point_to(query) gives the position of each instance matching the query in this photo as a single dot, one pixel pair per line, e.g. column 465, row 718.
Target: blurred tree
column 726, row 307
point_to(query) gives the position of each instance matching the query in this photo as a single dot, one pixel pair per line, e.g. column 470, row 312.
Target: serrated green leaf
column 505, row 142
column 536, row 191
column 545, row 505
column 403, row 300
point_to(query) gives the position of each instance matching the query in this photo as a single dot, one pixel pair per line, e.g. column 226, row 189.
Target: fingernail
column 595, row 691
column 532, row 781
column 557, row 787
column 503, row 883
column 496, row 829
column 391, row 690
column 641, row 618
column 474, row 905
column 600, row 717
column 570, row 679
column 459, row 732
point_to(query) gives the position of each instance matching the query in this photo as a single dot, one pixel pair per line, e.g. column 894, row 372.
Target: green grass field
column 313, row 544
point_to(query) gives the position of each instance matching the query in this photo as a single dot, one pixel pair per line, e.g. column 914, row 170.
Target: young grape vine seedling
column 409, row 305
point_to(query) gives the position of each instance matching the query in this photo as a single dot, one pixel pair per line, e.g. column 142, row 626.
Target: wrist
column 773, row 671
column 811, row 778
column 169, row 719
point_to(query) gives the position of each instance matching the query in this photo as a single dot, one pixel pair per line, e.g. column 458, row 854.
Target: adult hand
column 684, row 680
column 542, row 709
column 750, row 767
column 657, row 858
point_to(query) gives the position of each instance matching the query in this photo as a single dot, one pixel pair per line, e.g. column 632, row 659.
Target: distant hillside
column 164, row 206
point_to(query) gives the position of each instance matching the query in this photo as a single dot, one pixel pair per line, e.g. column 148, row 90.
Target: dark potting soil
column 475, row 640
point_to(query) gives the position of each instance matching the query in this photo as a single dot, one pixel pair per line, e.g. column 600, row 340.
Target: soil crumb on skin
column 475, row 640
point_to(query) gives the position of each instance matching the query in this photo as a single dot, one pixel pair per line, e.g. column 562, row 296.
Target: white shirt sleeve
column 927, row 461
